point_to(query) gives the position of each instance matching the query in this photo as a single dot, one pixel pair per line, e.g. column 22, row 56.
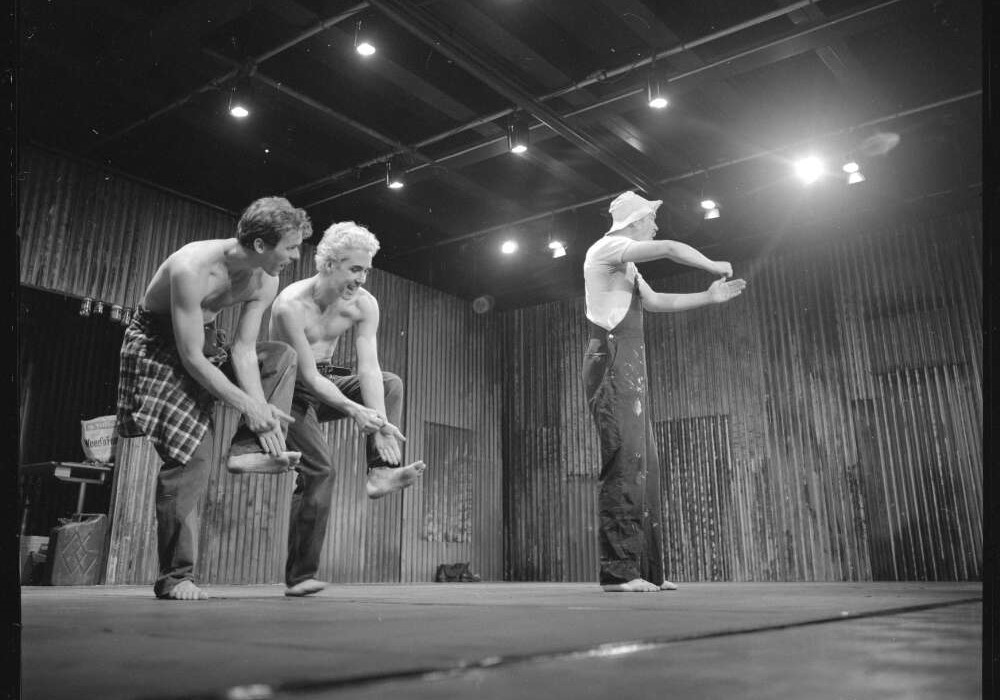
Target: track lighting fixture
column 518, row 135
column 853, row 171
column 239, row 98
column 655, row 96
column 393, row 177
column 361, row 43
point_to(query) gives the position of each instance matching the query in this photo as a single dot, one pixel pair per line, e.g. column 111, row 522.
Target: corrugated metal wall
column 453, row 514
column 87, row 233
column 824, row 426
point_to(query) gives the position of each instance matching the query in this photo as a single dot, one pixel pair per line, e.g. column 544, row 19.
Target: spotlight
column 518, row 135
column 361, row 43
column 558, row 249
column 853, row 171
column 654, row 95
column 707, row 204
column 85, row 307
column 712, row 213
column 508, row 247
column 809, row 169
column 239, row 99
column 116, row 313
column 393, row 178
column 98, row 308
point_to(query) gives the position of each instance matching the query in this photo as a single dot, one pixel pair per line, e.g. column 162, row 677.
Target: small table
column 82, row 473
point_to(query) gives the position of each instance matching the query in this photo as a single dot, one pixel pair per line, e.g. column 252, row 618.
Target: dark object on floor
column 456, row 572
column 76, row 550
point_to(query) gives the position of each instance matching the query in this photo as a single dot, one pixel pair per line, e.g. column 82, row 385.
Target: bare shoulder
column 293, row 297
column 366, row 300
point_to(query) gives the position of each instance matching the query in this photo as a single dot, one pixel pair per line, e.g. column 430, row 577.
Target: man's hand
column 265, row 420
column 722, row 268
column 722, row 291
column 367, row 419
column 387, row 443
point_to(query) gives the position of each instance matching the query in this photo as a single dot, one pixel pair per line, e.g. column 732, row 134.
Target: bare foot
column 307, row 587
column 668, row 586
column 185, row 590
column 636, row 585
column 262, row 463
column 383, row 480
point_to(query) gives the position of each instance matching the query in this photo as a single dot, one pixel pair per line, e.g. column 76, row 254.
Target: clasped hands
column 386, row 436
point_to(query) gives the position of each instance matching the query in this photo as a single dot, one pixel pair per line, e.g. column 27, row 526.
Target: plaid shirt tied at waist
column 156, row 395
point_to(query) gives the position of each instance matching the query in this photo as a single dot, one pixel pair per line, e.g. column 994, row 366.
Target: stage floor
column 786, row 641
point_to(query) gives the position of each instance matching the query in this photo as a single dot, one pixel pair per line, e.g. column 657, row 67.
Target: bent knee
column 393, row 384
column 280, row 354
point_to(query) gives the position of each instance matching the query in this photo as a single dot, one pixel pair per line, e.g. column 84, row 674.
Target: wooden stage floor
column 786, row 641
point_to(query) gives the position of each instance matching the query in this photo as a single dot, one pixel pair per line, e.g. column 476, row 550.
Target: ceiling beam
column 715, row 166
column 729, row 65
column 430, row 30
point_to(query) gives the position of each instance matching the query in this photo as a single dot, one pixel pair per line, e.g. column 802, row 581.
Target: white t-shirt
column 608, row 281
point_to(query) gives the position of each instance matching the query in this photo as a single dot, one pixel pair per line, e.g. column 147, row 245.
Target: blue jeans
column 310, row 510
column 179, row 487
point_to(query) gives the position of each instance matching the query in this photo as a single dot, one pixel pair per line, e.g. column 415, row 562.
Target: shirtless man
column 615, row 379
column 174, row 368
column 311, row 315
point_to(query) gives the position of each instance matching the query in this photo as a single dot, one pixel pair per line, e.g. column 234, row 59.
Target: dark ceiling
column 142, row 86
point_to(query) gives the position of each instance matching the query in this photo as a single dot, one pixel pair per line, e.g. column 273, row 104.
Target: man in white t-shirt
column 614, row 374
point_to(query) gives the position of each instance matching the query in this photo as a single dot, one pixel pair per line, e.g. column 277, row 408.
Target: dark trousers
column 310, row 510
column 180, row 487
column 630, row 539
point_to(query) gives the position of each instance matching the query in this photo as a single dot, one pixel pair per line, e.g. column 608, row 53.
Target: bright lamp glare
column 712, row 213
column 239, row 111
column 855, row 177
column 707, row 204
column 809, row 169
column 365, row 49
column 851, row 167
column 658, row 102
column 395, row 184
column 508, row 247
column 518, row 148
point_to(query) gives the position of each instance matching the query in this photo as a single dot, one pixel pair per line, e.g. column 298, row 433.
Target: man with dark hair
column 614, row 374
column 175, row 367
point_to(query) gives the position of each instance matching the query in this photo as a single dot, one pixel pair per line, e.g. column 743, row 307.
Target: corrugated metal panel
column 89, row 233
column 452, row 392
column 825, row 426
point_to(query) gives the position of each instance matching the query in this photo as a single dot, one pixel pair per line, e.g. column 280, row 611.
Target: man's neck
column 238, row 259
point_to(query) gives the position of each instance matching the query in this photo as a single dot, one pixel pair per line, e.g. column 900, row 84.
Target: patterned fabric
column 156, row 395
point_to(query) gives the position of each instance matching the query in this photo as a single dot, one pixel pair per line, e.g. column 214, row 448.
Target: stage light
column 853, row 171
column 239, row 99
column 85, row 307
column 809, row 169
column 707, row 204
column 712, row 213
column 361, row 43
column 558, row 249
column 518, row 135
column 393, row 178
column 508, row 247
column 654, row 94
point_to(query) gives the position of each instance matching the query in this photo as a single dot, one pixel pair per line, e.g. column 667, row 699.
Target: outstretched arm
column 643, row 251
column 187, row 290
column 388, row 437
column 720, row 291
column 247, row 370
